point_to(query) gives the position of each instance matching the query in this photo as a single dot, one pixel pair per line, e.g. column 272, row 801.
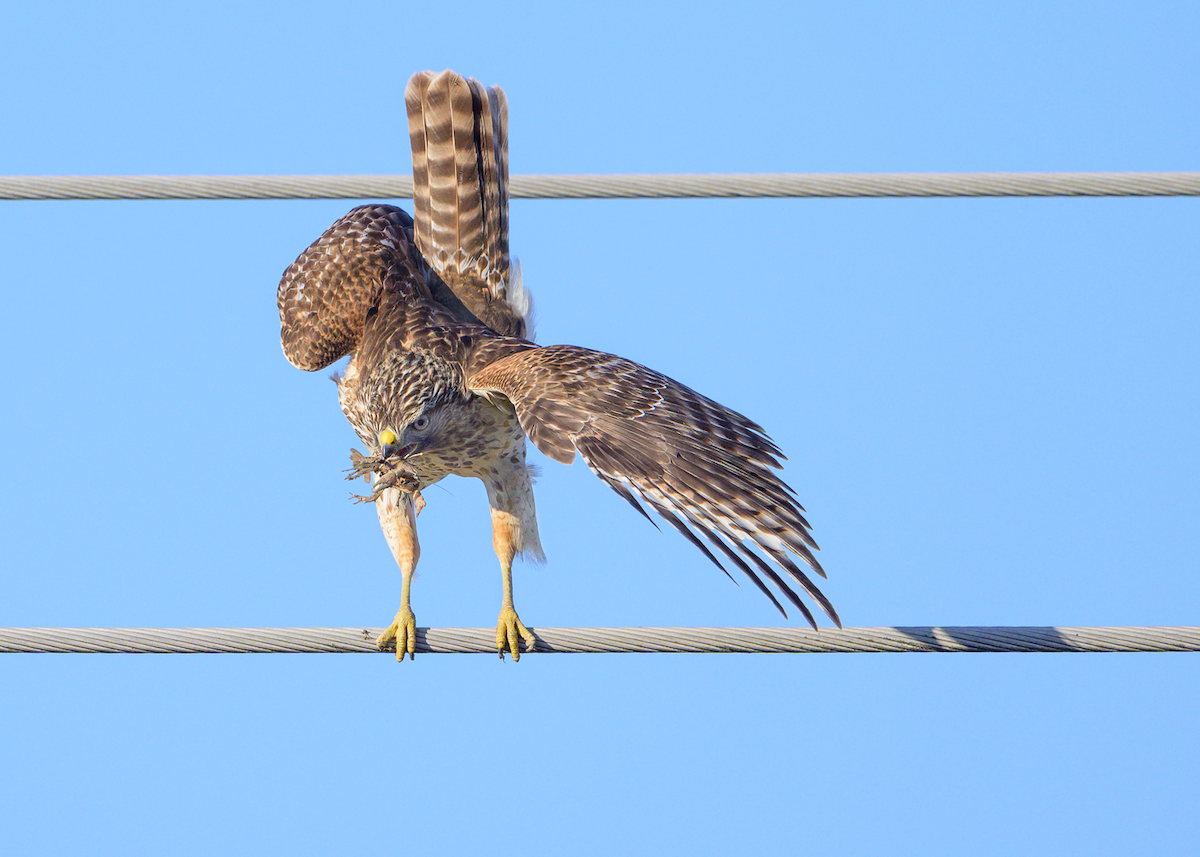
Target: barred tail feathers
column 459, row 134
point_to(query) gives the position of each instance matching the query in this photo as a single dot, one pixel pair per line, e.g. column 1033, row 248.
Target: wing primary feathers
column 618, row 486
column 679, row 525
column 740, row 535
column 708, row 526
column 779, row 581
column 779, row 504
column 749, row 572
column 705, row 469
column 809, row 587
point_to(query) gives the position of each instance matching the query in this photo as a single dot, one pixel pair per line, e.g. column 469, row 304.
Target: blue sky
column 989, row 407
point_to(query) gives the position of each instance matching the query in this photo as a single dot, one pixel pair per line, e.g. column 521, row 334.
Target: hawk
column 444, row 377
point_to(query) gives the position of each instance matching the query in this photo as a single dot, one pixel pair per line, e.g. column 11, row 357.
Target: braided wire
column 615, row 186
column 610, row 640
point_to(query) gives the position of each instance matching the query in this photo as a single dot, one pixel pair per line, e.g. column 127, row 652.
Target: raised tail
column 459, row 133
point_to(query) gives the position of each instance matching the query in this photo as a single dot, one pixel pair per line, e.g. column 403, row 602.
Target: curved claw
column 510, row 629
column 404, row 631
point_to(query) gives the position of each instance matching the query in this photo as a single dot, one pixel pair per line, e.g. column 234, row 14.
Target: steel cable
column 611, row 640
column 614, row 186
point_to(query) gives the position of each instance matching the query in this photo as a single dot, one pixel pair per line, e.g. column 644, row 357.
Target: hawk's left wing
column 694, row 461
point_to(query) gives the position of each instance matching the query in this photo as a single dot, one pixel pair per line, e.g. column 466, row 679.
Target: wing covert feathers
column 459, row 134
column 707, row 470
column 325, row 294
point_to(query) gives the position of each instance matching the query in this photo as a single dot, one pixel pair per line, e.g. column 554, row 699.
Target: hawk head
column 440, row 427
column 414, row 438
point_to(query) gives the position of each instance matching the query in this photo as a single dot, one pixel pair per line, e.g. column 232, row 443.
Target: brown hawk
column 444, row 378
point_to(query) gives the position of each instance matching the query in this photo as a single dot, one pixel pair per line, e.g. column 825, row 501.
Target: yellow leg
column 510, row 632
column 509, row 625
column 398, row 519
column 514, row 530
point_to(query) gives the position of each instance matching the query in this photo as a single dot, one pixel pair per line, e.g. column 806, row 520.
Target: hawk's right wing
column 326, row 295
column 459, row 132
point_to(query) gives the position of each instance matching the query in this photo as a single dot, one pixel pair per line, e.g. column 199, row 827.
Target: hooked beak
column 403, row 452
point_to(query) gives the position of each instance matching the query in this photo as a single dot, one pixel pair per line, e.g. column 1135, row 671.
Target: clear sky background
column 990, row 409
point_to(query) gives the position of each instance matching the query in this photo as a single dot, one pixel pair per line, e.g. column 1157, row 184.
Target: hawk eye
column 421, row 423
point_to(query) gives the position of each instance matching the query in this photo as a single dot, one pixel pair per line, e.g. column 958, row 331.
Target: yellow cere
column 387, row 436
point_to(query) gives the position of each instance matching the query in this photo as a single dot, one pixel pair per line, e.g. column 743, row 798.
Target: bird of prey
column 444, row 377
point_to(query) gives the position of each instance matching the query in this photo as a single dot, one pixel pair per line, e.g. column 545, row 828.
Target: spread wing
column 324, row 296
column 707, row 470
column 459, row 132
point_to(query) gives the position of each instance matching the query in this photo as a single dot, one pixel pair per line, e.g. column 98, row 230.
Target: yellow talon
column 510, row 632
column 404, row 631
